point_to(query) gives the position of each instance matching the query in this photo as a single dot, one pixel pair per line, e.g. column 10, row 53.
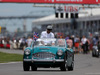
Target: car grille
column 44, row 55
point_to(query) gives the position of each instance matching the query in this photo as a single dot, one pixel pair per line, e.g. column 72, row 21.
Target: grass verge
column 7, row 57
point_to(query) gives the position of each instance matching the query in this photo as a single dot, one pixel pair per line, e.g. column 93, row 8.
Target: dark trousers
column 85, row 48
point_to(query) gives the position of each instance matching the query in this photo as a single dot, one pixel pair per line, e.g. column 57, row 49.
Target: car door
column 70, row 57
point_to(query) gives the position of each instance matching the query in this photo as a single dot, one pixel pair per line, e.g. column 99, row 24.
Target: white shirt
column 44, row 34
column 84, row 40
column 29, row 41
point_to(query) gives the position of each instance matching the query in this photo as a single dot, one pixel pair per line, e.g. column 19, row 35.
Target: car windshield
column 50, row 42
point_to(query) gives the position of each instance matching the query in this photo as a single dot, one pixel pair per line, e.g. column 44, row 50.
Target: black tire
column 93, row 54
column 33, row 68
column 63, row 67
column 26, row 67
column 71, row 68
column 97, row 55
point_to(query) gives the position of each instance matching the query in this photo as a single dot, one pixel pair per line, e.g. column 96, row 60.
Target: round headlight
column 60, row 52
column 97, row 50
column 27, row 52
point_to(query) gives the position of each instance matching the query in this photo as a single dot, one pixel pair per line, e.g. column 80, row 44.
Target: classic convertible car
column 48, row 53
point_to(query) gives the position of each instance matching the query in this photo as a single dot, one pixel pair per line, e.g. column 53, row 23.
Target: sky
column 18, row 9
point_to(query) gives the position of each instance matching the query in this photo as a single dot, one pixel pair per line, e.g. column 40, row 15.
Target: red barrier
column 54, row 1
column 1, row 46
column 7, row 45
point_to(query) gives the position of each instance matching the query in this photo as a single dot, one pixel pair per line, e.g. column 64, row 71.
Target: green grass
column 7, row 57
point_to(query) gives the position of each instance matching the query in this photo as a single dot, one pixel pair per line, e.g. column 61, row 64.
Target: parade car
column 48, row 53
column 95, row 51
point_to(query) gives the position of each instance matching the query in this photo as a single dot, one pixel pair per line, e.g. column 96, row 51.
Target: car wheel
column 97, row 55
column 33, row 68
column 93, row 54
column 71, row 68
column 26, row 67
column 64, row 65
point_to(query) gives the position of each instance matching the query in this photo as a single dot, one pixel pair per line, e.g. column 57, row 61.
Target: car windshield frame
column 52, row 39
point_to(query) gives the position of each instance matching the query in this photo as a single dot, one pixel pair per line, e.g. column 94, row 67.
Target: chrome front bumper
column 44, row 60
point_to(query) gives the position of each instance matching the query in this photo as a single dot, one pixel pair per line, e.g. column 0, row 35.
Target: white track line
column 93, row 73
column 10, row 63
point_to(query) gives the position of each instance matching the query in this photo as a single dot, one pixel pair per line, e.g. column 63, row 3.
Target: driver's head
column 49, row 29
column 83, row 36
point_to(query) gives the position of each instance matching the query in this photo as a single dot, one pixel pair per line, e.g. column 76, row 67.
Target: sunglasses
column 49, row 29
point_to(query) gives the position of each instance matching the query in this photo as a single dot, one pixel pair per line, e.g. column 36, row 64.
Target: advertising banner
column 53, row 1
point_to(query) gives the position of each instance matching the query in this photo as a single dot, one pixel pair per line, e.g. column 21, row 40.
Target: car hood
column 48, row 49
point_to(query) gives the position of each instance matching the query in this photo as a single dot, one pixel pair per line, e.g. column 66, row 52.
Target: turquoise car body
column 48, row 62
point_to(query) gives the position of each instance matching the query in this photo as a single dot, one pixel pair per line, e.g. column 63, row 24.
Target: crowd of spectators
column 20, row 43
column 82, row 44
column 79, row 44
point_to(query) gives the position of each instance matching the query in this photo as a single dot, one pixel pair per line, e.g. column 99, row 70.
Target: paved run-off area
column 11, row 51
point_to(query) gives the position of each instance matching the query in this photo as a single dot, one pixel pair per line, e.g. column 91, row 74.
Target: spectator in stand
column 29, row 41
column 91, row 43
column 76, row 41
column 67, row 37
column 14, row 44
column 8, row 43
column 69, row 42
column 80, row 46
column 5, row 42
column 72, row 37
column 95, row 40
column 11, row 44
column 87, row 46
column 84, row 40
column 98, row 44
column 23, row 43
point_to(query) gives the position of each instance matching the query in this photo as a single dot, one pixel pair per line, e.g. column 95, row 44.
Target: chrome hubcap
column 66, row 63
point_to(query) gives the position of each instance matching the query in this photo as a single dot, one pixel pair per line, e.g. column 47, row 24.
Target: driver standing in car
column 48, row 33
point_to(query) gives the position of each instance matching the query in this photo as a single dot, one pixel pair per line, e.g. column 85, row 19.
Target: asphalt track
column 85, row 64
